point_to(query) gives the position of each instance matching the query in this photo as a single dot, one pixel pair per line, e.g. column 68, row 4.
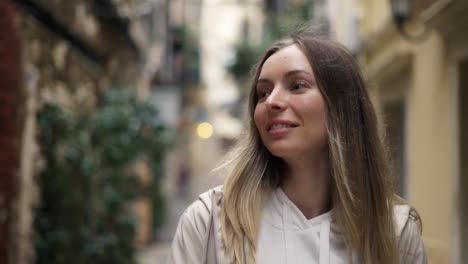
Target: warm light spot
column 205, row 130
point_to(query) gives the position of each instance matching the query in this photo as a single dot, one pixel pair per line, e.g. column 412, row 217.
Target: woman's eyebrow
column 294, row 72
column 263, row 81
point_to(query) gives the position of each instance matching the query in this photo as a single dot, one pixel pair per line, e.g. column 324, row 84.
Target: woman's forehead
column 287, row 59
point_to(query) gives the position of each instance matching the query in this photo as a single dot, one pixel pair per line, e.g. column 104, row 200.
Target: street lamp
column 401, row 12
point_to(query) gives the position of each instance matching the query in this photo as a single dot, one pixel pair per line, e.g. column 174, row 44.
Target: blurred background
column 115, row 112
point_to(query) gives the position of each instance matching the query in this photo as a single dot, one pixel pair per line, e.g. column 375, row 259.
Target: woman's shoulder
column 193, row 231
column 406, row 217
column 199, row 212
column 409, row 234
column 213, row 194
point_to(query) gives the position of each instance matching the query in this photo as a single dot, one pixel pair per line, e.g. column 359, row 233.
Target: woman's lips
column 280, row 128
column 280, row 125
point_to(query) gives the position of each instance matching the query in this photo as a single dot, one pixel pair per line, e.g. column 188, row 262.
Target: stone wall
column 11, row 116
column 49, row 68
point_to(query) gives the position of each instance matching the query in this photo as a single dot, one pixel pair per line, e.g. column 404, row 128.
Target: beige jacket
column 197, row 242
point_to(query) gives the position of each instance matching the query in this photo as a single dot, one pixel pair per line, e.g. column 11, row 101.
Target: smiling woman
column 290, row 114
column 309, row 182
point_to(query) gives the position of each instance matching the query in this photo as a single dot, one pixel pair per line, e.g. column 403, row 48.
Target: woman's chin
column 280, row 152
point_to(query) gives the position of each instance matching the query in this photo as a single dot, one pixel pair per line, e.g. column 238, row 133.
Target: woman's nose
column 276, row 100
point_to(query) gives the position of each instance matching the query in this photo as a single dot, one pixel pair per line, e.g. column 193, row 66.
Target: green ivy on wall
column 87, row 181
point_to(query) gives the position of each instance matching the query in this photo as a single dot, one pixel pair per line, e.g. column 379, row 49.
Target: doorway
column 463, row 126
column 395, row 115
column 393, row 101
column 463, row 161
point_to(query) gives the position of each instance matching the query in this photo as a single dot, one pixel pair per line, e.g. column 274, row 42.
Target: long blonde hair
column 362, row 185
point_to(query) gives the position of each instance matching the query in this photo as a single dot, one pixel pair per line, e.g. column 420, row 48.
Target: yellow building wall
column 376, row 13
column 430, row 159
column 430, row 167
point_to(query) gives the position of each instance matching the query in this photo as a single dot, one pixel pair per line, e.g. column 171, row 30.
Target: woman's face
column 290, row 114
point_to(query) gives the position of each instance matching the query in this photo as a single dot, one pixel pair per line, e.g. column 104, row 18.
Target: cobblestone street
column 156, row 253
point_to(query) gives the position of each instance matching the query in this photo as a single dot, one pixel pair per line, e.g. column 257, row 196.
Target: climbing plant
column 88, row 181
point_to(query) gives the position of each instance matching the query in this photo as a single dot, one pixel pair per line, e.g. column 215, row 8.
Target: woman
column 309, row 182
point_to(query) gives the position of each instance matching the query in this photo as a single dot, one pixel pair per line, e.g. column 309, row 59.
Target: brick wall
column 10, row 122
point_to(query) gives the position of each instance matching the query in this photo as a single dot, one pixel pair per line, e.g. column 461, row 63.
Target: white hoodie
column 286, row 236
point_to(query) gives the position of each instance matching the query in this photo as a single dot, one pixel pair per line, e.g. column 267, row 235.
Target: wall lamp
column 401, row 12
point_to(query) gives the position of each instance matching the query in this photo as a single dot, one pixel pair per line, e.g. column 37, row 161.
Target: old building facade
column 420, row 87
column 67, row 53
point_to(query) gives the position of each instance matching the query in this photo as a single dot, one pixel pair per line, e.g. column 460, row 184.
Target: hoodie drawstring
column 287, row 223
column 217, row 230
column 324, row 257
column 324, row 234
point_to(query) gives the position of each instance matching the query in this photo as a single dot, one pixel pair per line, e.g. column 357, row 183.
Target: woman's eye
column 298, row 86
column 262, row 95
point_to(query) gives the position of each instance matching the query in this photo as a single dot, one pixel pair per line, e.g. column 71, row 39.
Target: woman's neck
column 307, row 185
